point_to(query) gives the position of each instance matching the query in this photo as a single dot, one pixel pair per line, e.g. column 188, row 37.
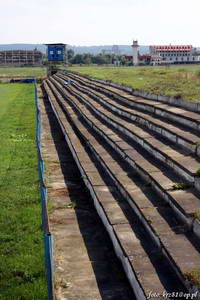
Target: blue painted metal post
column 48, row 238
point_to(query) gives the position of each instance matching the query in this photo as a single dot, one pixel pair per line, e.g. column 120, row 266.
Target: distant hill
column 124, row 49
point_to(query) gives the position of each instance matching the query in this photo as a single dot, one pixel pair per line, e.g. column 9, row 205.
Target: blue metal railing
column 48, row 238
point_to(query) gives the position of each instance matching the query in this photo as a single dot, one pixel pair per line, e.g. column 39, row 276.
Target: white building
column 135, row 47
column 175, row 54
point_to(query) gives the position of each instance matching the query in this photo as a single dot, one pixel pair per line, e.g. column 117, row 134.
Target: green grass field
column 182, row 80
column 22, row 270
column 15, row 72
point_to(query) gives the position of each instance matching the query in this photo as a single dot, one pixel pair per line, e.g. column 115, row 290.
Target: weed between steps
column 198, row 171
column 197, row 214
column 180, row 185
column 193, row 277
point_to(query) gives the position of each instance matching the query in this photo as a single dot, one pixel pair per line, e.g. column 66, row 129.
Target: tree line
column 99, row 59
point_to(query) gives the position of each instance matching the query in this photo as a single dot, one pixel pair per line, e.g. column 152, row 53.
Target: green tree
column 87, row 58
column 77, row 59
column 70, row 54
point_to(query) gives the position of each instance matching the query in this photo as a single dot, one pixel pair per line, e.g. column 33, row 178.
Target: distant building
column 175, row 53
column 164, row 55
column 20, row 57
column 141, row 59
column 56, row 52
column 115, row 50
column 135, row 47
column 106, row 51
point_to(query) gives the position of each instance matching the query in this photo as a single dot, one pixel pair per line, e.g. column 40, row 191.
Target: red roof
column 144, row 57
column 173, row 48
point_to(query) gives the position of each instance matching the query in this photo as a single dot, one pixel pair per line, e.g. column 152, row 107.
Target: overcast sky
column 100, row 22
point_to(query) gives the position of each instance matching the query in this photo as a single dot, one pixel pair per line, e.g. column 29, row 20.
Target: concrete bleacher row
column 141, row 193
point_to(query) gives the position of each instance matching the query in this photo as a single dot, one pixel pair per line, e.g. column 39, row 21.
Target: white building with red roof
column 163, row 55
column 175, row 53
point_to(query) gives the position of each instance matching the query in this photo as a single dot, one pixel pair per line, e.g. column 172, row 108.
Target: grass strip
column 178, row 81
column 22, row 270
column 15, row 72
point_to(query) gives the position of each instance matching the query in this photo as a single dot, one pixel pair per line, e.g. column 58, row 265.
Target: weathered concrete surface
column 166, row 233
column 108, row 160
column 192, row 106
column 85, row 265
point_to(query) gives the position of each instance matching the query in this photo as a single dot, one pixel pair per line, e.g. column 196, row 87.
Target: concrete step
column 166, row 233
column 179, row 136
column 138, row 256
column 180, row 162
column 85, row 265
column 160, row 180
column 170, row 100
column 166, row 111
column 154, row 143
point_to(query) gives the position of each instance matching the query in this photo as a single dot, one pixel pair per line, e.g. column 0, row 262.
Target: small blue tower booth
column 56, row 52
